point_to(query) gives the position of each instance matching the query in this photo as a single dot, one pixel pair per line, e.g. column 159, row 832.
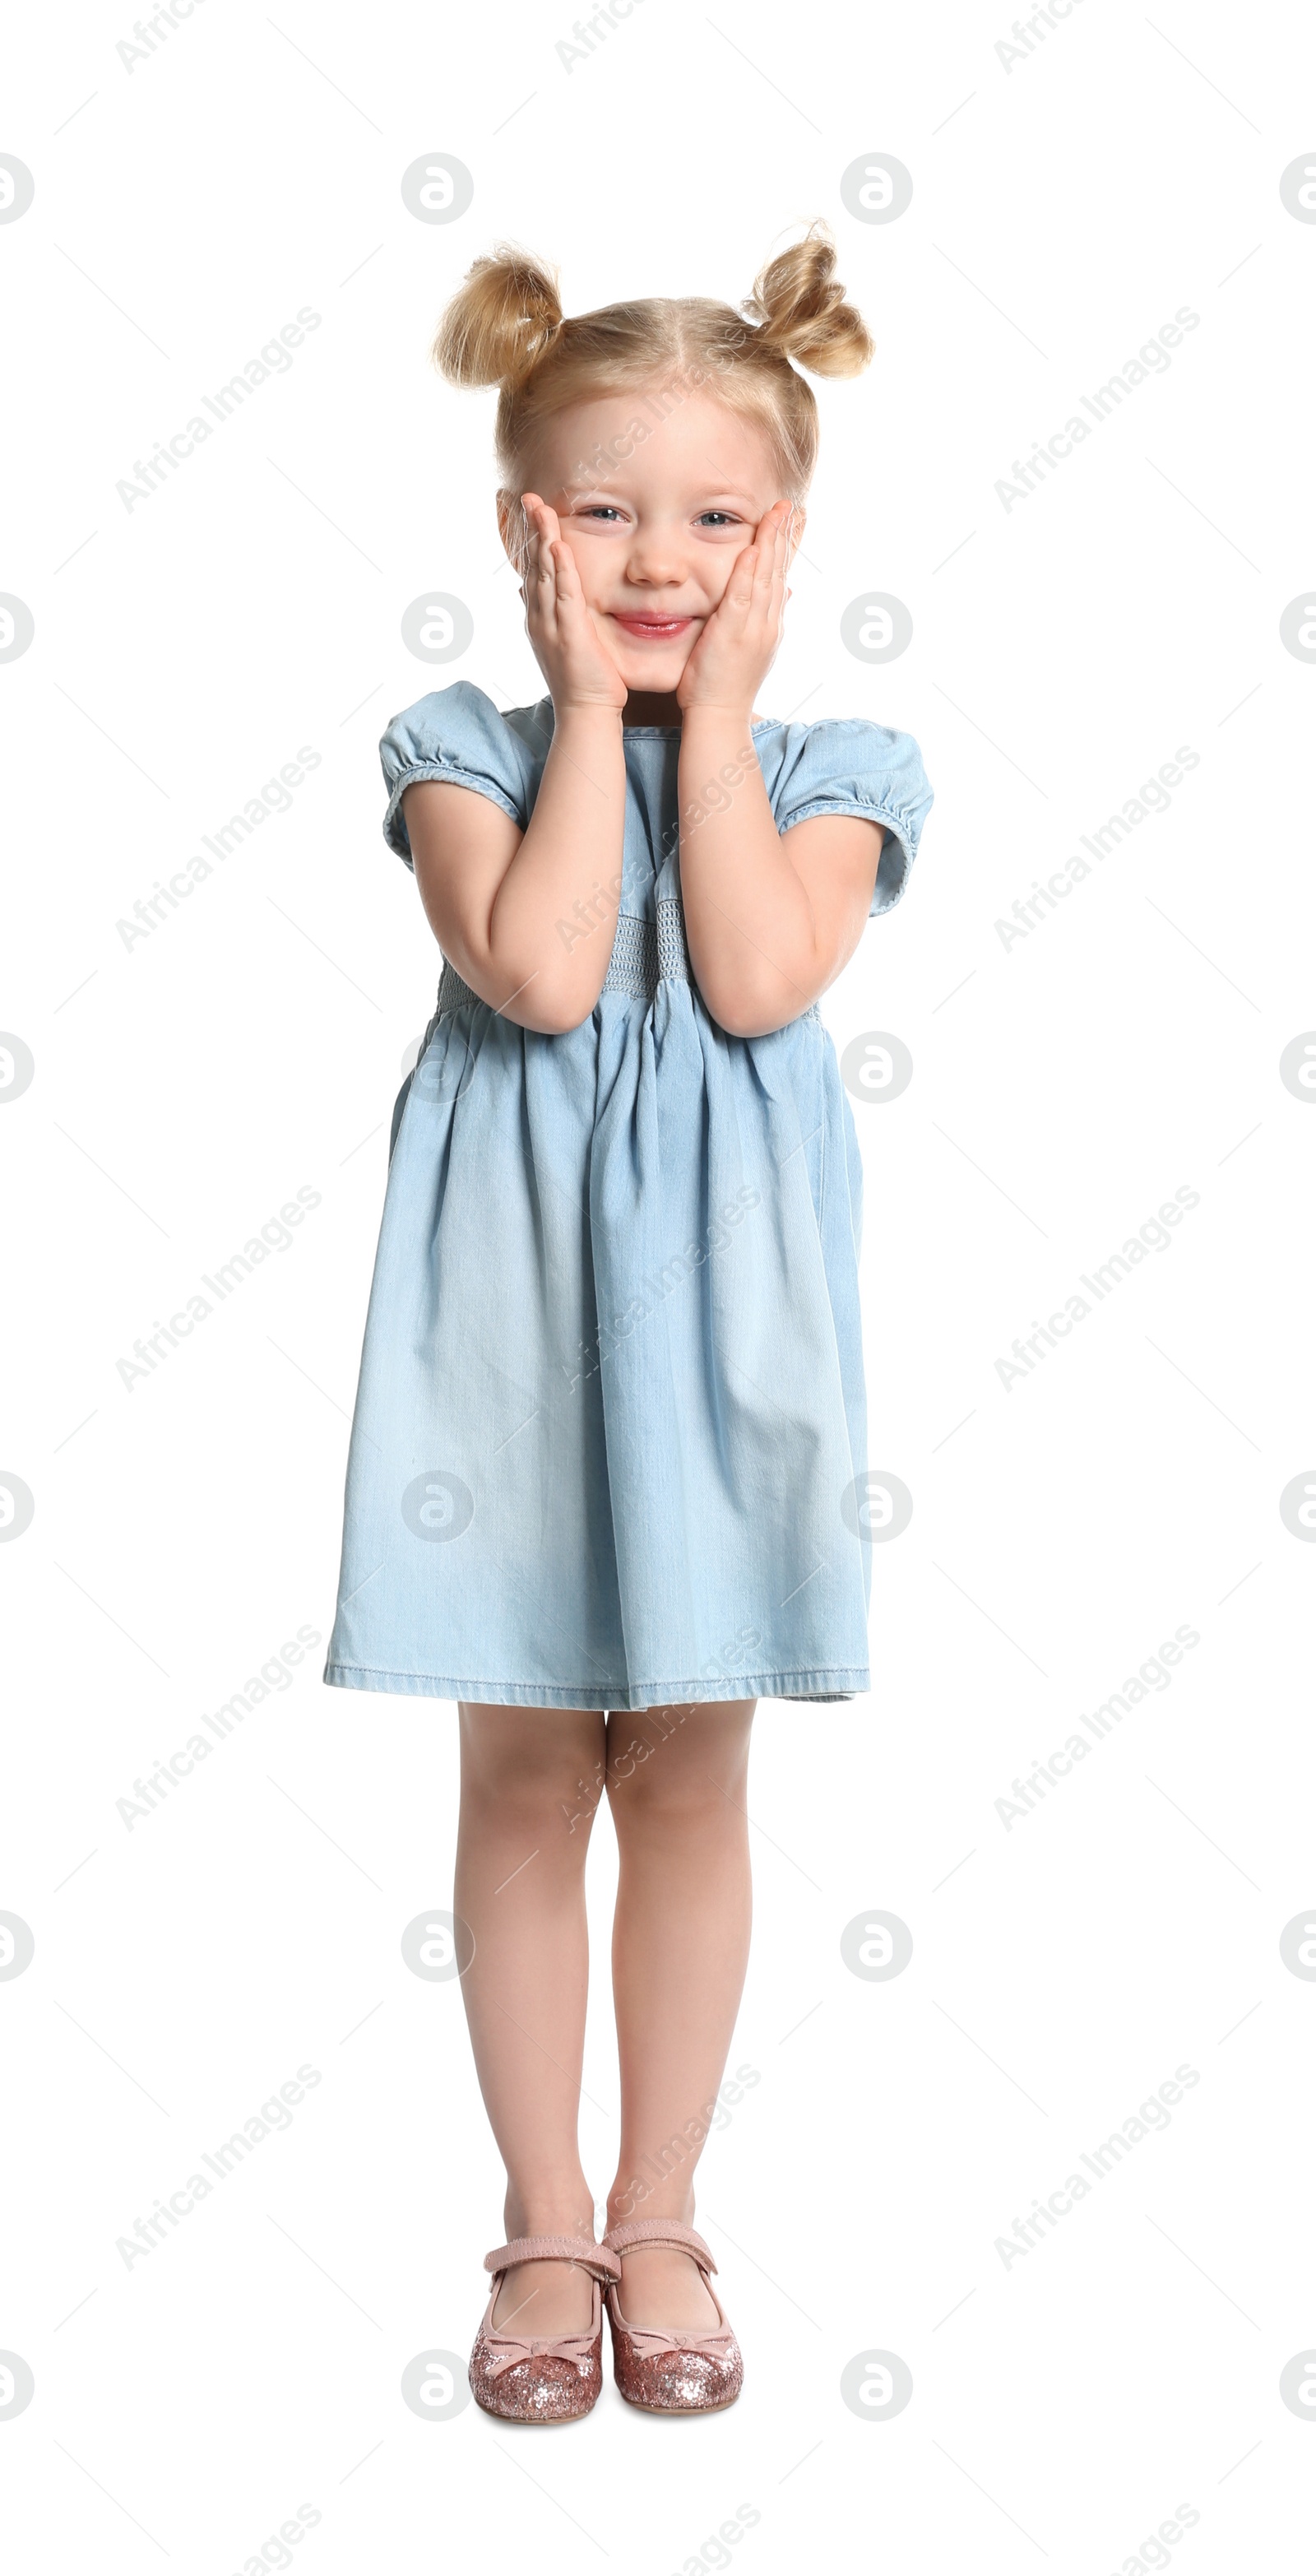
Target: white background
column 1064, row 208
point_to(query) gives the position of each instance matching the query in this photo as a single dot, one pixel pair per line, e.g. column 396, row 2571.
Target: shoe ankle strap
column 555, row 2249
column 634, row 2232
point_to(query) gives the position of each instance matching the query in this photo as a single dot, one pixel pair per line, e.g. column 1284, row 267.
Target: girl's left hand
column 739, row 642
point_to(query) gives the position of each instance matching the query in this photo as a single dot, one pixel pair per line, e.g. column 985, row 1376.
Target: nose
column 654, row 560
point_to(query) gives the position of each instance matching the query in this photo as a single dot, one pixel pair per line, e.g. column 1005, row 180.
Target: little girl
column 605, row 1488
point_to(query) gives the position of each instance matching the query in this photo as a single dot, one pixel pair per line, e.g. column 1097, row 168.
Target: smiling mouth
column 657, row 629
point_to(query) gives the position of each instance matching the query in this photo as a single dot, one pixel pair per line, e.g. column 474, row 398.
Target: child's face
column 655, row 536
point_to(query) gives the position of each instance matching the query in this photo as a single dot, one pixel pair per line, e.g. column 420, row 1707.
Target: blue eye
column 722, row 518
column 600, row 510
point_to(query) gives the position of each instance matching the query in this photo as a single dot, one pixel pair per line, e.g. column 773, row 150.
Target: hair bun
column 500, row 321
column 800, row 308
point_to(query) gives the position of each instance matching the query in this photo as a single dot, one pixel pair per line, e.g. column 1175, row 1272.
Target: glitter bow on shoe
column 541, row 2380
column 661, row 2368
column 506, row 2352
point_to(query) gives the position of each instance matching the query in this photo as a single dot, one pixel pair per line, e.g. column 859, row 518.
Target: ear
column 514, row 532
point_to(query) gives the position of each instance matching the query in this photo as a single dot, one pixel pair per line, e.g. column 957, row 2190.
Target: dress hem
column 831, row 1682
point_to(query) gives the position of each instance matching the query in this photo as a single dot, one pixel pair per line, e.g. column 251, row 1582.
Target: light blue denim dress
column 610, row 1431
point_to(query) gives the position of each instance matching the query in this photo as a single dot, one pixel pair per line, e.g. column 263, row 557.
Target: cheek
column 590, row 562
column 717, row 564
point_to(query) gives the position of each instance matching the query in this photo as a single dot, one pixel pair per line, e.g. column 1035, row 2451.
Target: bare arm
column 527, row 917
column 771, row 917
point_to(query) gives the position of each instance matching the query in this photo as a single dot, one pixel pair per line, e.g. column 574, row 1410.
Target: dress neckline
column 659, row 733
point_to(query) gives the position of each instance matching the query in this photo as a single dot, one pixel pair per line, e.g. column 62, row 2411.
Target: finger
column 568, row 578
column 550, row 541
column 769, row 546
column 525, row 543
column 556, row 600
column 787, row 540
column 530, row 507
column 740, row 588
column 767, row 559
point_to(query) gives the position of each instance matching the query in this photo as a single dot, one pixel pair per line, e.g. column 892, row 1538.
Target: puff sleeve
column 455, row 734
column 848, row 766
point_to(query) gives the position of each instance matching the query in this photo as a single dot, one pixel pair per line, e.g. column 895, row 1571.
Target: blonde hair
column 505, row 326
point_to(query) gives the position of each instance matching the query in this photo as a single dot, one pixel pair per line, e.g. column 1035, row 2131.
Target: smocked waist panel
column 645, row 954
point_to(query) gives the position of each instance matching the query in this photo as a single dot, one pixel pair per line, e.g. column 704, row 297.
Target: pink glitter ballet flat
column 670, row 2373
column 529, row 2380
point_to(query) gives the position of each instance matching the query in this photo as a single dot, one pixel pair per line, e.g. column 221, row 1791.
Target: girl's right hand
column 564, row 634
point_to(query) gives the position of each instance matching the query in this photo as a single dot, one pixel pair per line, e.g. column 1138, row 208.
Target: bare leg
column 676, row 1786
column 520, row 1886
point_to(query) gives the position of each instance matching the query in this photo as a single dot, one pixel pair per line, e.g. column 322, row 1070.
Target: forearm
column 551, row 922
column 749, row 923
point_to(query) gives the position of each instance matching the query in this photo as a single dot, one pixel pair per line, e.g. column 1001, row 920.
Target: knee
column 676, row 1779
column 530, row 1772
